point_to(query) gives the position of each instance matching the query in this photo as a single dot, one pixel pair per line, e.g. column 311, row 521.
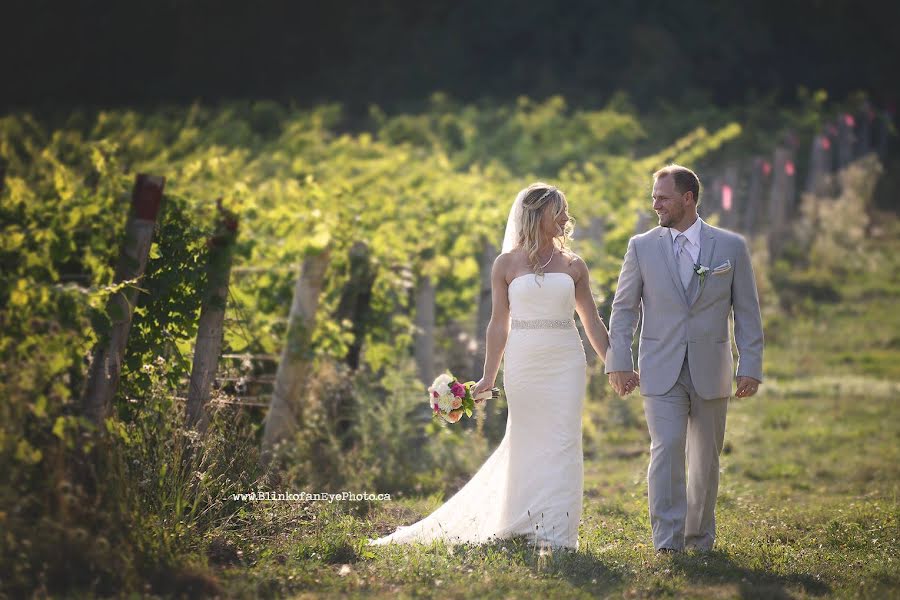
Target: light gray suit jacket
column 649, row 281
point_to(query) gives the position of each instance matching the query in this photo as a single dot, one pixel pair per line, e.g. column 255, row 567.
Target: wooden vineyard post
column 846, row 139
column 286, row 408
column 488, row 255
column 355, row 303
column 106, row 363
column 881, row 134
column 355, row 306
column 728, row 215
column 866, row 121
column 709, row 195
column 711, row 199
column 781, row 198
column 755, row 207
column 597, row 232
column 820, row 161
column 210, row 328
column 424, row 336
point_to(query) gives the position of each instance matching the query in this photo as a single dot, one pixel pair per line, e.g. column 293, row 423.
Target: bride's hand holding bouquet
column 484, row 389
column 451, row 399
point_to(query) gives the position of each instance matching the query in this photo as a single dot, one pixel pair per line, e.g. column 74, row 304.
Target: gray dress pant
column 684, row 427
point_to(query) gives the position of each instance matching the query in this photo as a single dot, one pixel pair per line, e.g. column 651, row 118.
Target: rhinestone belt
column 543, row 323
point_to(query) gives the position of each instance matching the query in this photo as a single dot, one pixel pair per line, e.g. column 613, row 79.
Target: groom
column 687, row 277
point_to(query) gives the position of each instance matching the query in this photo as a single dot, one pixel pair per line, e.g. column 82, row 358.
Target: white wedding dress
column 533, row 482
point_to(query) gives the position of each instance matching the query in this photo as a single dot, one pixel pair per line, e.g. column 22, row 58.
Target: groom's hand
column 746, row 387
column 623, row 382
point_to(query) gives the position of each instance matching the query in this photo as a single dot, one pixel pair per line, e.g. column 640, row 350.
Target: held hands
column 746, row 387
column 624, row 382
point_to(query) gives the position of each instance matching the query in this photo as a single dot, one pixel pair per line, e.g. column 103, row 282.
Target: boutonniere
column 701, row 271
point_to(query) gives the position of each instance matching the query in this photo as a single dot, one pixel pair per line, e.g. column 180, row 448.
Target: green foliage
column 79, row 509
column 133, row 508
column 165, row 317
column 425, row 192
column 362, row 433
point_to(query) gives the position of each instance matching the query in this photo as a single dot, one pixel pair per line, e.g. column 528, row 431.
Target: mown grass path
column 808, row 507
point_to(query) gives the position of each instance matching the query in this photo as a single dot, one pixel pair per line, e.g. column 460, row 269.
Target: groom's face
column 670, row 205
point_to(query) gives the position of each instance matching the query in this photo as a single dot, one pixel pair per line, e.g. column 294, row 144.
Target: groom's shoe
column 667, row 551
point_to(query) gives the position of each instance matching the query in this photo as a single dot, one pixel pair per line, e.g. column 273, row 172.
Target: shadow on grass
column 581, row 569
column 591, row 574
column 717, row 568
column 597, row 575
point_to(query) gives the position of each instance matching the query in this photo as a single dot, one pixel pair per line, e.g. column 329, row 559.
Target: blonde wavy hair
column 540, row 197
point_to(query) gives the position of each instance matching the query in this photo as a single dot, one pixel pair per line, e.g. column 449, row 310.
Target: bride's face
column 552, row 224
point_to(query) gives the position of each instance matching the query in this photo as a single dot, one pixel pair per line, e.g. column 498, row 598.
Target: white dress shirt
column 692, row 234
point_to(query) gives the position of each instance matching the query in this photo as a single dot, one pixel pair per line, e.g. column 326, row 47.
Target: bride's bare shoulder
column 505, row 261
column 572, row 259
column 575, row 265
column 511, row 257
column 508, row 264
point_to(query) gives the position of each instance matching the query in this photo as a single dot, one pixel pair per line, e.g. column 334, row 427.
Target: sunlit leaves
column 424, row 191
column 26, row 453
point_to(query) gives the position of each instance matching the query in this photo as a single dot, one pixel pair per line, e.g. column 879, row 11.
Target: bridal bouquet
column 450, row 399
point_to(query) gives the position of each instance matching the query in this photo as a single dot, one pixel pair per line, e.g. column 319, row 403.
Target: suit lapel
column 707, row 247
column 668, row 252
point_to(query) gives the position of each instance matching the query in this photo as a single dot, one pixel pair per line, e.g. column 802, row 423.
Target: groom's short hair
column 685, row 179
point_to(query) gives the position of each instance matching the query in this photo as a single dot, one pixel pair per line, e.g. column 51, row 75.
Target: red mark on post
column 726, row 197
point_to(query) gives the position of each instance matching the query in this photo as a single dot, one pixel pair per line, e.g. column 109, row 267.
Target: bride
column 532, row 484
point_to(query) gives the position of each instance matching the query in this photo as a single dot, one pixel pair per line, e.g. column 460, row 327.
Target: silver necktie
column 685, row 263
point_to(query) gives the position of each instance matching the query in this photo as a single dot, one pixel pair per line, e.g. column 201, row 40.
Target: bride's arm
column 587, row 311
column 498, row 327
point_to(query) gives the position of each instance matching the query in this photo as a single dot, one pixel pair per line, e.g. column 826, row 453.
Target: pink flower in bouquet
column 437, row 407
column 458, row 390
column 456, row 403
column 454, row 415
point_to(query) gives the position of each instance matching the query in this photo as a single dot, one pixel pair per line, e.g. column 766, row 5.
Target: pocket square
column 723, row 268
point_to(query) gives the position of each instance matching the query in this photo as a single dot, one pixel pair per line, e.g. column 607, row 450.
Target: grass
column 808, row 507
column 852, row 330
